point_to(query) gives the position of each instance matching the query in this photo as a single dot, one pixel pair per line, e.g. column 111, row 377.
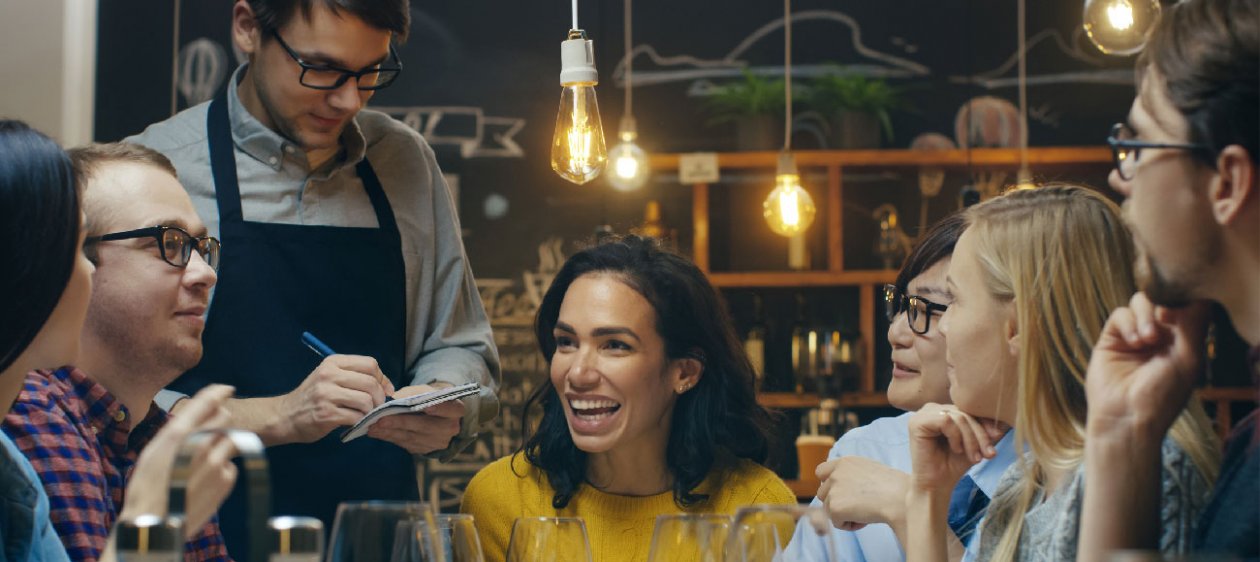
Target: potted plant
column 855, row 107
column 755, row 105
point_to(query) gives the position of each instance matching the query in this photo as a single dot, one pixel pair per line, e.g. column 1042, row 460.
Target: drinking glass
column 549, row 539
column 686, row 537
column 364, row 531
column 762, row 533
column 455, row 540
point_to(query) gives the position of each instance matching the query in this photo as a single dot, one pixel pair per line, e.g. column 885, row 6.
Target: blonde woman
column 1033, row 280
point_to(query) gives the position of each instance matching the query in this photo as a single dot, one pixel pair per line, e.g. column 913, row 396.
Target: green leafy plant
column 752, row 96
column 832, row 94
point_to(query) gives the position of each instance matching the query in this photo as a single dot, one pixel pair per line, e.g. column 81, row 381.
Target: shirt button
column 94, row 430
column 120, row 416
column 273, row 160
column 288, row 149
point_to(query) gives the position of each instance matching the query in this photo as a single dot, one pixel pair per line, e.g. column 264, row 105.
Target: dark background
column 501, row 58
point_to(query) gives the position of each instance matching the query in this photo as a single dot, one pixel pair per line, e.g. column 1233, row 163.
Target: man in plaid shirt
column 83, row 427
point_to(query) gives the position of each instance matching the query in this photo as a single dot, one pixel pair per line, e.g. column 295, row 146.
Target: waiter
column 337, row 221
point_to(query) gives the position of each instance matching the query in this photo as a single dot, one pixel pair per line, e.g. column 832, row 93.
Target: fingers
column 453, row 409
column 359, row 373
column 418, row 433
column 211, row 481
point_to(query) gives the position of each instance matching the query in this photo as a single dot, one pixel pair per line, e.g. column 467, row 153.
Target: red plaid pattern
column 81, row 441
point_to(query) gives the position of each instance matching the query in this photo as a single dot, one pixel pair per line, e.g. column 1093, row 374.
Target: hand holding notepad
column 409, row 405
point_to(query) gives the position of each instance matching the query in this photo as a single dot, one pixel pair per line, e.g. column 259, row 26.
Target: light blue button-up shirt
column 887, row 441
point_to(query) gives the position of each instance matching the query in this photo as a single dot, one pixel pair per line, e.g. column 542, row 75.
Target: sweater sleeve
column 1185, row 494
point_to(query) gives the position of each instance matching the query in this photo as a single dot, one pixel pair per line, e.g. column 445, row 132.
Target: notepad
column 409, row 405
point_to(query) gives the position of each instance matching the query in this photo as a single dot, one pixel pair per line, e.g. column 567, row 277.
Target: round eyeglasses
column 918, row 309
column 175, row 244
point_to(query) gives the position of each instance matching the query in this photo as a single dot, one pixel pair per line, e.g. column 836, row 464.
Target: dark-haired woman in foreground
column 650, row 407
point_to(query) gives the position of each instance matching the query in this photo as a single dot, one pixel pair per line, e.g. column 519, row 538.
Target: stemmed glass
column 549, row 539
column 364, row 531
column 686, row 537
column 762, row 533
column 455, row 540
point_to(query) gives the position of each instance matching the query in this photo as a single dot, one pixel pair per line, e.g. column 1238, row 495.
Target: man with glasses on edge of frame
column 338, row 222
column 84, row 427
column 864, row 479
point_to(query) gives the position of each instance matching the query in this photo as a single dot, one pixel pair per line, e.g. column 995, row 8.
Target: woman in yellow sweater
column 649, row 409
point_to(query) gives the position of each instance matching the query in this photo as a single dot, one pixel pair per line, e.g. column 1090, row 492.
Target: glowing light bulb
column 630, row 169
column 578, row 152
column 1119, row 27
column 789, row 209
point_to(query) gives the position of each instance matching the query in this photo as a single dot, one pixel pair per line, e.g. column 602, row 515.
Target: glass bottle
column 755, row 342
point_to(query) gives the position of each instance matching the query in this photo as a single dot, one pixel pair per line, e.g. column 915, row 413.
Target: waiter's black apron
column 346, row 286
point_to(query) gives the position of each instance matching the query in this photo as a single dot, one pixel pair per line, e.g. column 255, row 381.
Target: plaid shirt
column 81, row 441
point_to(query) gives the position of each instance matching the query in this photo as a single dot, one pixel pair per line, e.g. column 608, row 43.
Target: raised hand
column 213, row 474
column 1143, row 369
column 945, row 442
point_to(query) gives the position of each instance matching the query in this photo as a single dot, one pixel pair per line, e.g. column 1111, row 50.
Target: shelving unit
column 836, row 162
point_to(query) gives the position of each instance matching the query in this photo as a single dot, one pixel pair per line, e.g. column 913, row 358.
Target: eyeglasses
column 918, row 309
column 1125, row 151
column 324, row 77
column 175, row 244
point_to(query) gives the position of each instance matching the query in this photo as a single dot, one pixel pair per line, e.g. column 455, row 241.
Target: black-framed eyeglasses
column 175, row 244
column 324, row 77
column 918, row 309
column 1125, row 151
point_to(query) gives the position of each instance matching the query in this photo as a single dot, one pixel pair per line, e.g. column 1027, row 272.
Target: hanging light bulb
column 788, row 209
column 578, row 152
column 1119, row 27
column 629, row 162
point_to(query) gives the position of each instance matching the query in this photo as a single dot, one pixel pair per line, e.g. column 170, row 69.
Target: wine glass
column 549, row 539
column 761, row 533
column 364, row 531
column 455, row 540
column 688, row 537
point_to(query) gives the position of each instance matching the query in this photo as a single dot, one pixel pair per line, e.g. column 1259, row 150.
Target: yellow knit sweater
column 620, row 527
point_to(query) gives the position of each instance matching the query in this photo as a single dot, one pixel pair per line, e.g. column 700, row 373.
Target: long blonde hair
column 1063, row 257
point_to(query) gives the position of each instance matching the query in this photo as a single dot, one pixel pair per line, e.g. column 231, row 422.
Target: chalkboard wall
column 481, row 81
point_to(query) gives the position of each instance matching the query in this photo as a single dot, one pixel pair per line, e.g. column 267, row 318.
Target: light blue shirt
column 23, row 496
column 887, row 441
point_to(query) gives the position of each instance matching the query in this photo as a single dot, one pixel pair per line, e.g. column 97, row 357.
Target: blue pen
column 322, row 349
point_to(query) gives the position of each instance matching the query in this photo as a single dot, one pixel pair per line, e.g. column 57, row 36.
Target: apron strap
column 380, row 203
column 227, row 191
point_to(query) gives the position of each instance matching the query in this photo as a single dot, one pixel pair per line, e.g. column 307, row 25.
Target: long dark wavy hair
column 39, row 233
column 714, row 424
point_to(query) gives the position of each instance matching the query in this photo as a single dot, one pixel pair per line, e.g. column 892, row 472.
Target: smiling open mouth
column 593, row 409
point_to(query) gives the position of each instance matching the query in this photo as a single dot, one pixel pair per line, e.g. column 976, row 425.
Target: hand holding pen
column 321, row 349
column 340, row 391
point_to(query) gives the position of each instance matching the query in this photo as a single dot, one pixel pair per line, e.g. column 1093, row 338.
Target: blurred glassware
column 761, row 533
column 549, row 539
column 455, row 540
column 363, row 531
column 689, row 537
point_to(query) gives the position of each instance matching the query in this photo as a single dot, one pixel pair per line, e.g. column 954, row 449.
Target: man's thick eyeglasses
column 175, row 244
column 324, row 77
column 1125, row 151
column 918, row 309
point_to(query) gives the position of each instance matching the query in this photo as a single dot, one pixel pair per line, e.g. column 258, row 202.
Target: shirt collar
column 988, row 472
column 269, row 147
column 109, row 418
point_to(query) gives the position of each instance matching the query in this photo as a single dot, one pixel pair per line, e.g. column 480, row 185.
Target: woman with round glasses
column 1033, row 279
column 863, row 482
column 47, row 284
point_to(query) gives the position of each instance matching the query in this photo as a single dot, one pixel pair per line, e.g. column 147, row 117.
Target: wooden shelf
column 802, row 278
column 1228, row 394
column 986, row 157
column 795, row 401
